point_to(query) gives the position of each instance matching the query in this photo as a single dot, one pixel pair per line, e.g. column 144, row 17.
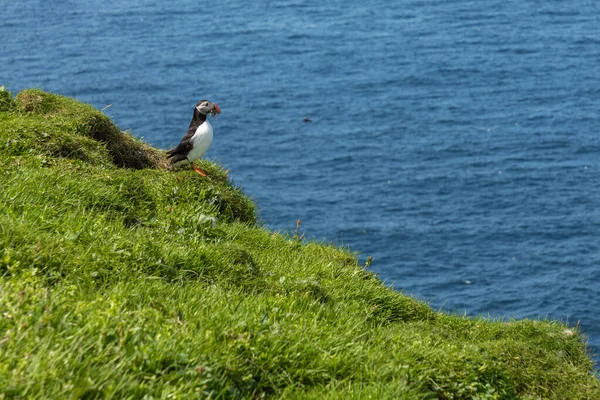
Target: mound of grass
column 62, row 114
column 6, row 100
column 123, row 279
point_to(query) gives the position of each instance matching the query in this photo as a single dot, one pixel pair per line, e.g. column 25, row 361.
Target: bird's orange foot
column 198, row 170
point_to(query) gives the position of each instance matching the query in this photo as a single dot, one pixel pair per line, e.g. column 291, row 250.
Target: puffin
column 198, row 137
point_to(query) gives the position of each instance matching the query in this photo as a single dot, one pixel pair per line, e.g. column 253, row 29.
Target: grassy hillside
column 123, row 279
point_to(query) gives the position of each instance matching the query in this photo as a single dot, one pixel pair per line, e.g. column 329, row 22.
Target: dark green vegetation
column 123, row 279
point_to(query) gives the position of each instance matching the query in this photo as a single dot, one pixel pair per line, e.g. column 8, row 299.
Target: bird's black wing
column 185, row 145
column 182, row 148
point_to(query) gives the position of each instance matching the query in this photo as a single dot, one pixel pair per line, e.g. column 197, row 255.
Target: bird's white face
column 206, row 107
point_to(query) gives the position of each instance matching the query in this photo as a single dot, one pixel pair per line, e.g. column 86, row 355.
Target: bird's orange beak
column 217, row 109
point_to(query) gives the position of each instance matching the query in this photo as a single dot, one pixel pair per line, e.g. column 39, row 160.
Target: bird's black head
column 206, row 107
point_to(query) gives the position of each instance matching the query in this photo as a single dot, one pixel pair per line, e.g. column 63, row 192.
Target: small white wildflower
column 207, row 219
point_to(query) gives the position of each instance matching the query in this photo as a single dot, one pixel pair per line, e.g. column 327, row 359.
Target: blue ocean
column 455, row 142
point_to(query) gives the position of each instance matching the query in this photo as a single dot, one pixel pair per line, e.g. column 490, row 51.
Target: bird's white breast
column 201, row 141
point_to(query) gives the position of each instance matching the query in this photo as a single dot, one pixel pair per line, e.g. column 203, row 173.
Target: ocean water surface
column 456, row 142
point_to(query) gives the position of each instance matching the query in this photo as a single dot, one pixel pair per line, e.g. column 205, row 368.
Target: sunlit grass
column 124, row 279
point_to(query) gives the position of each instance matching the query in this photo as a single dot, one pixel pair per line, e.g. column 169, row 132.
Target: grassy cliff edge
column 121, row 278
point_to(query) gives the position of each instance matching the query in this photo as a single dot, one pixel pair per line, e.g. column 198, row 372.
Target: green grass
column 121, row 278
